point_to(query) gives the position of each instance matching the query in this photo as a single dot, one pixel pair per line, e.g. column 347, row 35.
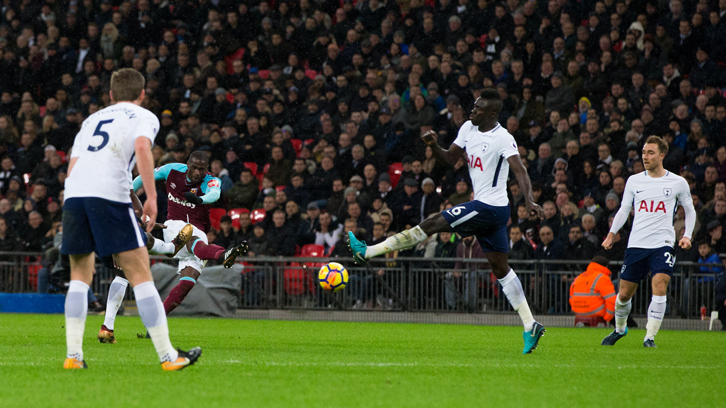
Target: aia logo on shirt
column 473, row 161
column 652, row 207
column 213, row 183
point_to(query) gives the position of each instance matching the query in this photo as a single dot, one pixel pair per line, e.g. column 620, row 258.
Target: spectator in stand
column 227, row 235
column 244, row 192
column 281, row 236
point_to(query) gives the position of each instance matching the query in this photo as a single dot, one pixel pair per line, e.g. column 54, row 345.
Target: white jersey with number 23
column 654, row 202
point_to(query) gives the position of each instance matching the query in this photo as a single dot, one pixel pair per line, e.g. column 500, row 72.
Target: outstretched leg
column 406, row 239
column 205, row 251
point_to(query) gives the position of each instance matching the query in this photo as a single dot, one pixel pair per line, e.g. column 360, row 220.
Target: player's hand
column 192, row 198
column 430, row 137
column 150, row 212
column 685, row 243
column 535, row 208
column 608, row 243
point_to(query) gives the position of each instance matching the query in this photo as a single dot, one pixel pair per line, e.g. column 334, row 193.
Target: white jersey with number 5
column 487, row 154
column 105, row 150
column 654, row 202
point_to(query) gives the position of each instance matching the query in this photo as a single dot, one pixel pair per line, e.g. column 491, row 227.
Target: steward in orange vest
column 592, row 293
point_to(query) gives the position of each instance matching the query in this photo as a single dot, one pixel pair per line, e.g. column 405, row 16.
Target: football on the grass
column 333, row 277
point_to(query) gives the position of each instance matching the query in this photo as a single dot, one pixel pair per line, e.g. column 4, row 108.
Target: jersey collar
column 494, row 129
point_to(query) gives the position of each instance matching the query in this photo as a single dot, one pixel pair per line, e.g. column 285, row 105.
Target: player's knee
column 190, row 272
column 435, row 223
column 190, row 244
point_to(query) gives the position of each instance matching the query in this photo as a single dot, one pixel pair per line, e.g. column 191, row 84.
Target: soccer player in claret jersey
column 190, row 190
column 654, row 195
column 98, row 216
column 490, row 151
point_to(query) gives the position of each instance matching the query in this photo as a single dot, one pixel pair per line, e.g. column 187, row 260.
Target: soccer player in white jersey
column 98, row 215
column 654, row 196
column 490, row 151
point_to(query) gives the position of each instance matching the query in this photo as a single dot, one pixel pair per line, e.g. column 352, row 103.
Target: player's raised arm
column 211, row 188
column 622, row 216
column 145, row 166
column 685, row 199
column 450, row 156
column 525, row 184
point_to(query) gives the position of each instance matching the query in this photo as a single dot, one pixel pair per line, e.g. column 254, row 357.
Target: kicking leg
column 406, row 239
column 170, row 249
column 657, row 307
column 186, row 283
column 205, row 251
column 76, row 308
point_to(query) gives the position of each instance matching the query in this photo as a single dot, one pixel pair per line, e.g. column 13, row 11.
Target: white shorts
column 186, row 258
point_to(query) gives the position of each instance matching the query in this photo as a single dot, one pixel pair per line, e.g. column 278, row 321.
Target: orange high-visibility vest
column 592, row 293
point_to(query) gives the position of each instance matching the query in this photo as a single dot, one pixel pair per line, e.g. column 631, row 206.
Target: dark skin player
column 485, row 116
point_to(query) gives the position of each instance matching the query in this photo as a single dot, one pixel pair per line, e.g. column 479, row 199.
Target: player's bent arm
column 211, row 189
column 450, row 156
column 161, row 173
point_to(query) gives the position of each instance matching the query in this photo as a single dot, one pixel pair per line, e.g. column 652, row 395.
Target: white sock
column 622, row 310
column 116, row 293
column 656, row 310
column 153, row 316
column 512, row 287
column 162, row 248
column 76, row 311
column 402, row 240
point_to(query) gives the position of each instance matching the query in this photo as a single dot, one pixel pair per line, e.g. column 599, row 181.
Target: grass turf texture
column 324, row 364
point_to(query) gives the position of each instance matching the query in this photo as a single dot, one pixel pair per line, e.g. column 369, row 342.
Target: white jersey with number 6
column 105, row 150
column 487, row 154
column 654, row 202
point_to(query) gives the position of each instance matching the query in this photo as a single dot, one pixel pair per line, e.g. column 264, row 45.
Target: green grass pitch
column 324, row 364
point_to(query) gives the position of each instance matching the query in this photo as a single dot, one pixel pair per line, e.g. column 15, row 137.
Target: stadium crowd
column 312, row 110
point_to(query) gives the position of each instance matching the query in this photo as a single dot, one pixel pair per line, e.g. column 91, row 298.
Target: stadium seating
column 258, row 214
column 312, row 251
column 297, row 145
column 215, row 217
column 296, row 279
column 235, row 213
column 395, row 170
column 252, row 166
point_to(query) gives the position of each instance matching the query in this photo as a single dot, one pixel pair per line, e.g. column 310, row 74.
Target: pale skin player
column 79, row 211
column 653, row 163
column 650, row 247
